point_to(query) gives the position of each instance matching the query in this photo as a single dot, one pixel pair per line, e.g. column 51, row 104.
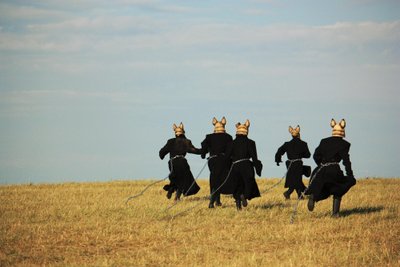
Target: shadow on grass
column 192, row 198
column 269, row 206
column 360, row 210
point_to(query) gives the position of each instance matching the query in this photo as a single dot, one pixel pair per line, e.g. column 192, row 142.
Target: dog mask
column 242, row 129
column 219, row 126
column 295, row 132
column 179, row 130
column 338, row 128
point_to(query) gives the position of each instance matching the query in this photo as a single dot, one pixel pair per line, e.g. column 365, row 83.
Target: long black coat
column 216, row 144
column 294, row 149
column 242, row 178
column 330, row 180
column 180, row 175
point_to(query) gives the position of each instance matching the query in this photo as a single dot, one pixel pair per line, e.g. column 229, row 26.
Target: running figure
column 295, row 150
column 242, row 177
column 216, row 144
column 327, row 178
column 181, row 178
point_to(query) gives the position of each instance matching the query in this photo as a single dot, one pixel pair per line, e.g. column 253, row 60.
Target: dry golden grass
column 89, row 224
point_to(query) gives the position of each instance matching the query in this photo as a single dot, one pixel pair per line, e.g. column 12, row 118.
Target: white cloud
column 61, row 30
column 136, row 2
column 358, row 33
column 9, row 12
column 37, row 96
column 41, row 42
column 28, row 102
column 264, row 1
column 98, row 26
column 255, row 11
column 363, row 2
column 176, row 9
column 205, row 34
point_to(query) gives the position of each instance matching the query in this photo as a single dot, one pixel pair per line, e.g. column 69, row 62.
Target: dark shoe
column 336, row 207
column 178, row 195
column 169, row 194
column 212, row 201
column 218, row 200
column 286, row 195
column 300, row 193
column 238, row 204
column 311, row 203
column 244, row 200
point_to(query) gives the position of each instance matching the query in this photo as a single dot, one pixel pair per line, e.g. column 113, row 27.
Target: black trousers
column 290, row 191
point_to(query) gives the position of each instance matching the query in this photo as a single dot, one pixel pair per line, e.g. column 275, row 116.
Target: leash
column 283, row 177
column 194, row 181
column 156, row 182
column 144, row 190
column 302, row 195
column 212, row 194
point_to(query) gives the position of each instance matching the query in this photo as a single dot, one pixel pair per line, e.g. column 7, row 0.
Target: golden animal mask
column 338, row 128
column 179, row 130
column 295, row 132
column 219, row 126
column 242, row 129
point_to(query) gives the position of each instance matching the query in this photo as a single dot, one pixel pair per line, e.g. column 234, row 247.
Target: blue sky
column 89, row 90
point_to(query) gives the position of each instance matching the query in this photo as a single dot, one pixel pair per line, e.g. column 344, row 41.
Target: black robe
column 242, row 178
column 181, row 178
column 330, row 180
column 216, row 144
column 294, row 149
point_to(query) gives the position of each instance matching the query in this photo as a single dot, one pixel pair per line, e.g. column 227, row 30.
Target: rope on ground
column 283, row 177
column 212, row 194
column 194, row 181
column 144, row 190
column 156, row 182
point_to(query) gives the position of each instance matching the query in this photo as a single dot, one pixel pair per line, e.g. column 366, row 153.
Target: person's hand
column 203, row 156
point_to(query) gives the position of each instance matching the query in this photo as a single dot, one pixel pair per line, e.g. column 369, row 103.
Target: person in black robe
column 295, row 150
column 181, row 178
column 243, row 154
column 327, row 178
column 215, row 144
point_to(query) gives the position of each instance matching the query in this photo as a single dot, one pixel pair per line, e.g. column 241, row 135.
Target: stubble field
column 89, row 224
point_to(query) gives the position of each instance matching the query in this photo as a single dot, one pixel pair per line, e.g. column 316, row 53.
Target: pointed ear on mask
column 223, row 121
column 290, row 129
column 333, row 123
column 247, row 123
column 214, row 121
column 181, row 126
column 297, row 129
column 174, row 127
column 237, row 124
column 342, row 123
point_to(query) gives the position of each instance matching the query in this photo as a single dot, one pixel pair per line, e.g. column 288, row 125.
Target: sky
column 89, row 90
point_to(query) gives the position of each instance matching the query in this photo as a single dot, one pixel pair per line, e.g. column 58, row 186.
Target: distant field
column 89, row 224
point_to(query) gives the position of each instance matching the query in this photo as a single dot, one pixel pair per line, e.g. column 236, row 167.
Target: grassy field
column 89, row 224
